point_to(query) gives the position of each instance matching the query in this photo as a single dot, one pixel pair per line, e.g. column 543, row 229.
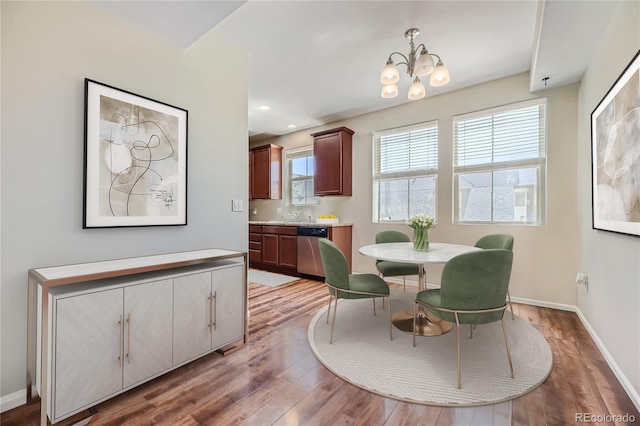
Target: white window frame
column 539, row 163
column 306, row 151
column 423, row 172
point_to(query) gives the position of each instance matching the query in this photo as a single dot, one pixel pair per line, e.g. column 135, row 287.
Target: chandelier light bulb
column 424, row 64
column 390, row 74
column 416, row 91
column 389, row 91
column 440, row 76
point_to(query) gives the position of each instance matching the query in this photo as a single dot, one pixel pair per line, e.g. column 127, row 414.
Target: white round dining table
column 438, row 253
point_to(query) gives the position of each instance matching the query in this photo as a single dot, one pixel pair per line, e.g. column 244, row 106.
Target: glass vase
column 421, row 239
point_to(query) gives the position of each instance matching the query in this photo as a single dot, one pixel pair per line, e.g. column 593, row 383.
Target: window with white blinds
column 300, row 174
column 405, row 169
column 499, row 159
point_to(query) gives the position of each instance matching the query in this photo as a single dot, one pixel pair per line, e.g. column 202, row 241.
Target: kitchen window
column 300, row 173
column 499, row 165
column 405, row 172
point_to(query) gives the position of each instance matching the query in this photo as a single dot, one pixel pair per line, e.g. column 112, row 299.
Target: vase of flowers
column 421, row 225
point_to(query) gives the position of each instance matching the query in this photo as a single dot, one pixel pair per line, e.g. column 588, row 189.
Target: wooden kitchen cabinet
column 255, row 244
column 265, row 173
column 332, row 152
column 279, row 246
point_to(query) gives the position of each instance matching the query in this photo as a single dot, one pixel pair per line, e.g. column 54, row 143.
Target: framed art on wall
column 135, row 160
column 615, row 145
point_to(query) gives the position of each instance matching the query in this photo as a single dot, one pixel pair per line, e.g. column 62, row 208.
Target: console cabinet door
column 88, row 353
column 148, row 320
column 191, row 316
column 228, row 308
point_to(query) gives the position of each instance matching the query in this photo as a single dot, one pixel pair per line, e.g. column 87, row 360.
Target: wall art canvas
column 615, row 139
column 135, row 160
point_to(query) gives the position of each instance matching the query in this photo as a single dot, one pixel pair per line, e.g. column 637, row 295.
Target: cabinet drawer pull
column 121, row 342
column 129, row 338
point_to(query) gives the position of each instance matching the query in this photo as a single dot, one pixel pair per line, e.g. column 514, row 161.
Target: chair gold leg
column 506, row 344
column 390, row 323
column 415, row 314
column 333, row 321
column 470, row 331
column 404, row 283
column 458, row 345
column 510, row 306
column 329, row 308
column 374, row 305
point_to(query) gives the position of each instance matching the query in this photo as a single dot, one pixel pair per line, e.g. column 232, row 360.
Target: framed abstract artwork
column 615, row 146
column 135, row 160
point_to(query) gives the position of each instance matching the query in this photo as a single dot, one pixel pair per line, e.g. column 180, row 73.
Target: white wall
column 612, row 261
column 546, row 257
column 48, row 48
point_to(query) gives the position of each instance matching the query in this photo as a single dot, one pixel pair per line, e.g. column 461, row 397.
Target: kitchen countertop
column 289, row 223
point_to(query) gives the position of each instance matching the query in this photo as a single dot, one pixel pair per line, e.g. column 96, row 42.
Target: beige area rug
column 363, row 355
column 268, row 278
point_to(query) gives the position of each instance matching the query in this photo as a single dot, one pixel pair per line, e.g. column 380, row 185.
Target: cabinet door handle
column 215, row 310
column 129, row 338
column 210, row 298
column 121, row 341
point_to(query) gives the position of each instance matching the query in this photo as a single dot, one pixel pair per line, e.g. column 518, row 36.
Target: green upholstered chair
column 473, row 291
column 498, row 241
column 343, row 285
column 394, row 269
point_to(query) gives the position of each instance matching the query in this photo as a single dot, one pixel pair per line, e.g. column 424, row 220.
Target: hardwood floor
column 276, row 380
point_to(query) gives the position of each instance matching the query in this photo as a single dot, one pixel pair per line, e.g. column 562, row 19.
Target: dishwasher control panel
column 313, row 231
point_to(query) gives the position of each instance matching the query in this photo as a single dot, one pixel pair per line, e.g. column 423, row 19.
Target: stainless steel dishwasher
column 309, row 261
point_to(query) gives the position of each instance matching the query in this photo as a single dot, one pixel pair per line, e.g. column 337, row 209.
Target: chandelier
column 418, row 66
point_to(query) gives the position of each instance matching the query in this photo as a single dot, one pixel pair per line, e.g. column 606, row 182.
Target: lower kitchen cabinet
column 111, row 335
column 279, row 247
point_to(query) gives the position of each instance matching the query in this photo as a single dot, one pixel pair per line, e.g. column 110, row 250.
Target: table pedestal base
column 425, row 326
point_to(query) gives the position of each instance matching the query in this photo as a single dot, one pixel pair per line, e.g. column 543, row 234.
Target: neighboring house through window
column 499, row 165
column 405, row 172
column 300, row 172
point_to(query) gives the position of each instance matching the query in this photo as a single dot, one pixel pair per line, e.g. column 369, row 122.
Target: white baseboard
column 633, row 394
column 13, row 400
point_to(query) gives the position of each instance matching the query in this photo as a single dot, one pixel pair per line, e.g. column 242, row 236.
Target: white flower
column 421, row 221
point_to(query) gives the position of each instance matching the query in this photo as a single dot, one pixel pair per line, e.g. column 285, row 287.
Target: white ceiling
column 315, row 62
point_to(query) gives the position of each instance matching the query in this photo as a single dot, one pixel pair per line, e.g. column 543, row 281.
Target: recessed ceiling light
column 264, row 107
column 291, row 126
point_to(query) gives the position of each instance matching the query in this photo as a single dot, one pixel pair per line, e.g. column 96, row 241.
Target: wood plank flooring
column 276, row 380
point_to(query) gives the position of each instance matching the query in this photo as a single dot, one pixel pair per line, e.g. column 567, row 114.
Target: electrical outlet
column 279, row 210
column 582, row 278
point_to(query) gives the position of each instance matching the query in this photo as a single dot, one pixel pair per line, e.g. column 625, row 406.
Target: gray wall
column 545, row 262
column 611, row 261
column 48, row 48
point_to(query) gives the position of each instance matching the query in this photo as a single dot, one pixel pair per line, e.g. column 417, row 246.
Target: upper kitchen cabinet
column 332, row 158
column 265, row 173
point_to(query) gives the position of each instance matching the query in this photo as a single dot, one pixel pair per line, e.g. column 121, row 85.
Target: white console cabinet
column 102, row 329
